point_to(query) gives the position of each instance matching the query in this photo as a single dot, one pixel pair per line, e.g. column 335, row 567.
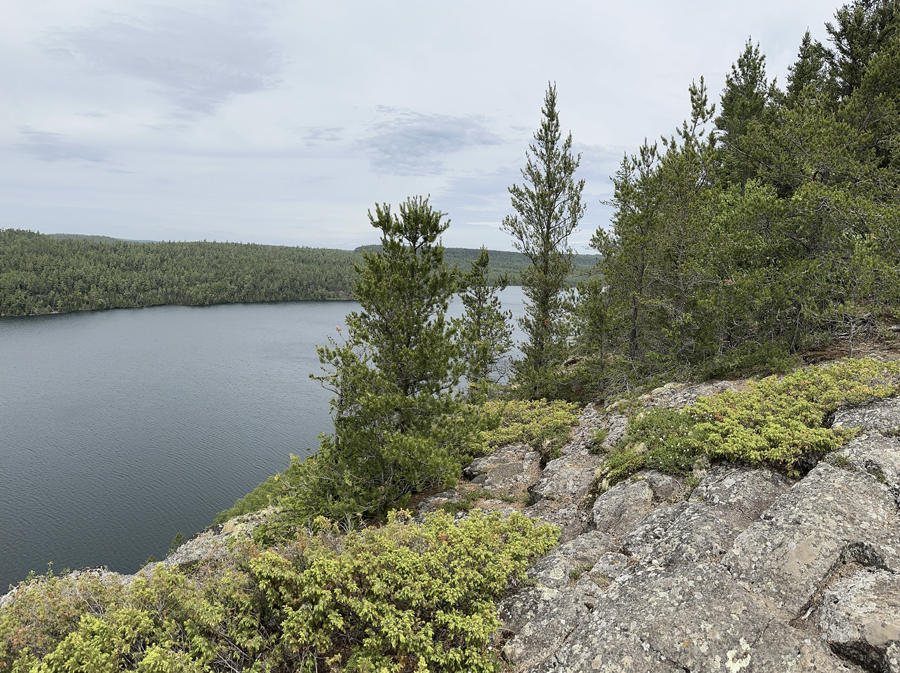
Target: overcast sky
column 284, row 122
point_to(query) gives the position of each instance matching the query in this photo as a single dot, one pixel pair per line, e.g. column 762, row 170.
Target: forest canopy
column 61, row 273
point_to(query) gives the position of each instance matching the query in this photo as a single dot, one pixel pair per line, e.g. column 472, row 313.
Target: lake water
column 119, row 429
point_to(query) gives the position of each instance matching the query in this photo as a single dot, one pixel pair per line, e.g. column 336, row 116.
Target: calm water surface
column 119, row 429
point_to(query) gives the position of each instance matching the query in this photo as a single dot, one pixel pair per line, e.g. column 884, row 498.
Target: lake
column 119, row 429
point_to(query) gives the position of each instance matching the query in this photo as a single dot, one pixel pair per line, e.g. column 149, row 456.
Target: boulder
column 831, row 517
column 619, row 510
column 697, row 619
column 860, row 619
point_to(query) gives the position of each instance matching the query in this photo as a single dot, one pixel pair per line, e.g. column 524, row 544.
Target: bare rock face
column 509, row 470
column 750, row 572
column 882, row 416
column 703, row 530
column 860, row 619
column 560, row 493
column 695, row 620
column 625, row 505
column 831, row 517
column 212, row 543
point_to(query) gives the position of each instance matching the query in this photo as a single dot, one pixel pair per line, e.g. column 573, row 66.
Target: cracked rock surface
column 748, row 572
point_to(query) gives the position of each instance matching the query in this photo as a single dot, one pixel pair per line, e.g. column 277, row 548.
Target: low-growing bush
column 403, row 597
column 543, row 425
column 780, row 422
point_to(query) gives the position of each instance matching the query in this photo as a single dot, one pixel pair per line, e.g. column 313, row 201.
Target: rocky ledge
column 749, row 571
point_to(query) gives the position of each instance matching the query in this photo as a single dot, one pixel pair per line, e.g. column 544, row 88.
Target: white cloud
column 197, row 60
column 52, row 147
column 413, row 143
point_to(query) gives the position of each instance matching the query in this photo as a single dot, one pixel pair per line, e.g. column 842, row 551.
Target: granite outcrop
column 737, row 569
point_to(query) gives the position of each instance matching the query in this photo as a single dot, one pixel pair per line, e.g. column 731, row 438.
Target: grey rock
column 641, row 541
column 520, row 607
column 677, row 620
column 212, row 543
column 510, row 470
column 590, row 420
column 558, row 569
column 619, row 510
column 810, row 531
column 892, row 657
column 616, row 424
column 680, row 395
column 725, row 504
column 545, row 632
column 860, row 618
column 434, row 502
column 567, row 478
column 607, row 568
column 882, row 416
column 622, row 508
column 571, row 519
column 877, row 455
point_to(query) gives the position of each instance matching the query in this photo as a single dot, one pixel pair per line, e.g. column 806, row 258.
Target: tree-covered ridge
column 44, row 274
column 507, row 262
column 61, row 273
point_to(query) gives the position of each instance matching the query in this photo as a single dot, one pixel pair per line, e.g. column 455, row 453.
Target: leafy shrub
column 777, row 422
column 400, row 598
column 403, row 597
column 543, row 425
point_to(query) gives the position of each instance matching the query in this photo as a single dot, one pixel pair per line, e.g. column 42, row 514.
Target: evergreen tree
column 485, row 333
column 861, row 29
column 744, row 101
column 807, row 71
column 548, row 208
column 394, row 411
column 628, row 258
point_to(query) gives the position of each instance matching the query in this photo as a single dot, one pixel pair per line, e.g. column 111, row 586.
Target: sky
column 285, row 122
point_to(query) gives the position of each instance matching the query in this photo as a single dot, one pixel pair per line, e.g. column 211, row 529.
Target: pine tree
column 395, row 424
column 548, row 208
column 807, row 71
column 861, row 29
column 485, row 333
column 744, row 101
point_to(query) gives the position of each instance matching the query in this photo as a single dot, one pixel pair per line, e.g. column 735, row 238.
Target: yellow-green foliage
column 775, row 422
column 543, row 425
column 403, row 597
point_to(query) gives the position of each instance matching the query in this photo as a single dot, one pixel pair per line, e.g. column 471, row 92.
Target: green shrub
column 543, row 425
column 776, row 422
column 400, row 598
column 403, row 597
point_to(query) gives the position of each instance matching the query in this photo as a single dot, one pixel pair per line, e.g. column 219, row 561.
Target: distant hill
column 502, row 261
column 42, row 273
column 61, row 273
column 98, row 239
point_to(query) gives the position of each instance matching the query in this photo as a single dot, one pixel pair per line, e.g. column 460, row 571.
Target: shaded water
column 119, row 429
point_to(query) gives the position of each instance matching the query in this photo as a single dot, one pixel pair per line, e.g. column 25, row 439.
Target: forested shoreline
column 765, row 227
column 60, row 273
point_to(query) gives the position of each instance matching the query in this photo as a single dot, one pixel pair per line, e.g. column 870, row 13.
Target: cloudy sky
column 283, row 122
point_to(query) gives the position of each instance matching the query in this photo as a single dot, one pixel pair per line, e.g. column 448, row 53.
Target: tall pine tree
column 548, row 208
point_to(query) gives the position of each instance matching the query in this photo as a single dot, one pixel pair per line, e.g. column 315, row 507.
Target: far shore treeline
column 54, row 273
